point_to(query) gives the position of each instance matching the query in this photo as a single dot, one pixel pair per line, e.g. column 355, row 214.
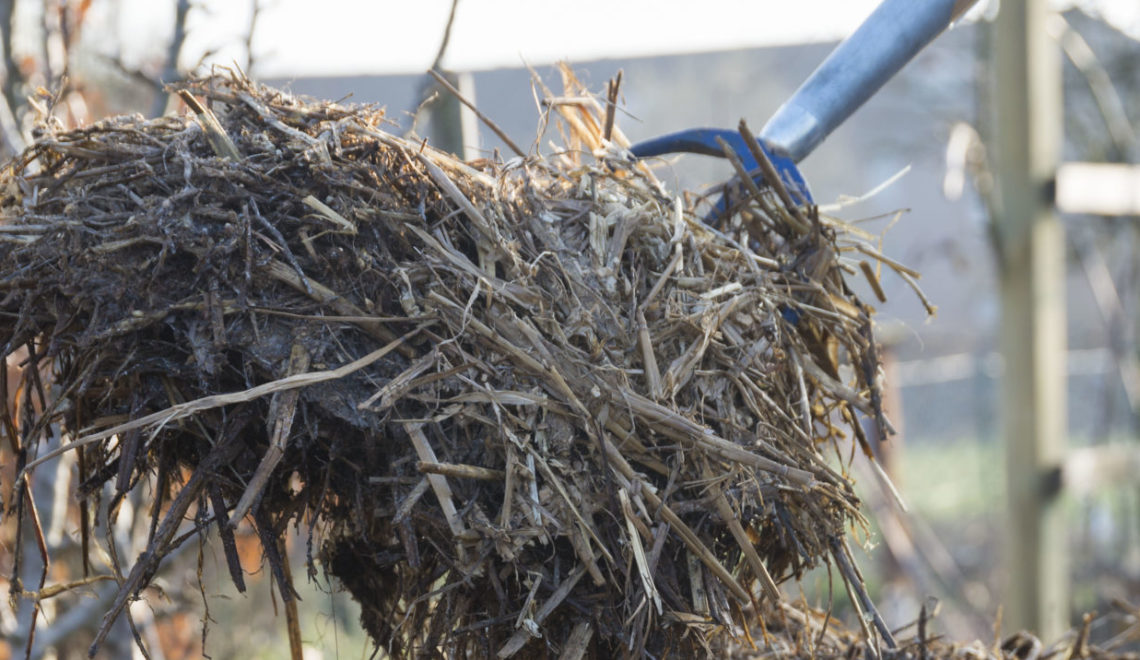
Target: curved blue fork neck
column 703, row 141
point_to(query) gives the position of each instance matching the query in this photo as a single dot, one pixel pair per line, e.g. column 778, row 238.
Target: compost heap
column 525, row 407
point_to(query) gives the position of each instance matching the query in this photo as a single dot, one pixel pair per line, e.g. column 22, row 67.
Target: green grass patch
column 959, row 479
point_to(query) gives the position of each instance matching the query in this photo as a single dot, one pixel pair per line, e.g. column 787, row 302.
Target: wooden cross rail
column 1098, row 188
column 1088, row 469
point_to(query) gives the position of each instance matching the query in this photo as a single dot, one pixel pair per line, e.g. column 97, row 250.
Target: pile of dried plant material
column 796, row 631
column 521, row 407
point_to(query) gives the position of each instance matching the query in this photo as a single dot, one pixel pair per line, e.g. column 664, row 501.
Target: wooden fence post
column 1033, row 334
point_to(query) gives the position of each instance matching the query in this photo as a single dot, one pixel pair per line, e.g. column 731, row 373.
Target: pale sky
column 344, row 37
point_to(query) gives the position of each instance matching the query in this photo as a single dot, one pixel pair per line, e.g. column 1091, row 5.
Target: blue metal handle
column 890, row 37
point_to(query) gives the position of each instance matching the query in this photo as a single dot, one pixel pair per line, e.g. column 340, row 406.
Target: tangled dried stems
column 521, row 408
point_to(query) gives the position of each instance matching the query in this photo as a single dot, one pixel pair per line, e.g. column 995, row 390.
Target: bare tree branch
column 12, row 78
column 136, row 75
column 47, row 17
column 170, row 72
column 438, row 62
column 429, row 91
column 11, row 138
column 1104, row 93
column 250, row 58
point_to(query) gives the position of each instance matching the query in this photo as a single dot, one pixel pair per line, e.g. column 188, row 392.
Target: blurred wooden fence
column 1028, row 100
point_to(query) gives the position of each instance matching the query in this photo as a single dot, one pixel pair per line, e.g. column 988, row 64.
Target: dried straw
column 525, row 408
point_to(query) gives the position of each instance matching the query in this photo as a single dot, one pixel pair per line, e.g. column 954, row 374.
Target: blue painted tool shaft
column 856, row 69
